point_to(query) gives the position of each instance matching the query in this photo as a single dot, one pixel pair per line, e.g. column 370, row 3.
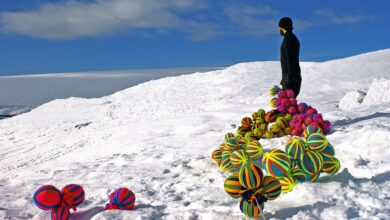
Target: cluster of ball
column 303, row 159
column 302, row 115
column 235, row 151
column 48, row 197
column 253, row 188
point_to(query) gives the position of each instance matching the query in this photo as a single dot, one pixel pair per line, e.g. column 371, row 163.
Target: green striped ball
column 233, row 187
column 295, row 147
column 238, row 157
column 254, row 149
column 228, row 136
column 311, row 162
column 216, row 155
column 317, row 141
column 299, row 175
column 270, row 187
column 312, row 129
column 288, row 183
column 276, row 162
column 331, row 166
column 226, row 164
column 250, row 208
column 250, row 175
column 328, row 152
column 231, row 144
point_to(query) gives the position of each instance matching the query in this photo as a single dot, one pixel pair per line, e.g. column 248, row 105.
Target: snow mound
column 378, row 93
column 351, row 100
column 156, row 139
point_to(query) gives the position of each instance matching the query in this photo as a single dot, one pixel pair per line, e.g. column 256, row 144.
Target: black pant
column 294, row 86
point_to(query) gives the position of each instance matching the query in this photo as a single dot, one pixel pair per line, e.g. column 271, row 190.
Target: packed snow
column 156, row 139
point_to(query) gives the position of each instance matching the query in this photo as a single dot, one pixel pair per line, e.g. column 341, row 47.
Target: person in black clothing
column 289, row 57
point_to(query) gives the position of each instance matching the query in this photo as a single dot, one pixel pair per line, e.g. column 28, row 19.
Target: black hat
column 286, row 23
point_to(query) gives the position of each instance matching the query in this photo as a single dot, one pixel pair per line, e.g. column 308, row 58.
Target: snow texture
column 156, row 138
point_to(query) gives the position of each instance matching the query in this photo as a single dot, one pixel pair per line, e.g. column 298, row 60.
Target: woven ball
column 269, row 134
column 313, row 177
column 261, row 113
column 281, row 122
column 276, row 162
column 298, row 175
column 302, row 108
column 311, row 162
column 292, row 110
column 296, row 132
column 47, row 197
column 287, row 131
column 231, row 144
column 238, row 157
column 254, row 149
column 270, row 116
column 282, row 94
column 228, row 136
column 287, row 182
column 60, row 213
column 250, row 208
column 246, row 122
column 331, row 166
column 258, row 132
column 290, row 93
column 288, row 117
column 317, row 141
column 270, row 187
column 226, row 164
column 311, row 129
column 274, row 128
column 311, row 111
column 216, row 155
column 232, row 186
column 281, row 134
column 122, row 199
column 272, row 103
column 329, row 152
column 295, row 147
column 326, row 127
column 73, row 195
column 250, row 135
column 274, row 90
column 250, row 175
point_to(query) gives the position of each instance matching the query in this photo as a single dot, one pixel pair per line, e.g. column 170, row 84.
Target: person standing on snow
column 289, row 57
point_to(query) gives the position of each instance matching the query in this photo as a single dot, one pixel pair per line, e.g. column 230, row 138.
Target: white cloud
column 332, row 17
column 81, row 19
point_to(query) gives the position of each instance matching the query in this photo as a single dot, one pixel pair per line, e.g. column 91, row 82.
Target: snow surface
column 156, row 138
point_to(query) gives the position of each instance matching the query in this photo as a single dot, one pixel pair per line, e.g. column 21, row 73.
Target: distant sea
column 21, row 93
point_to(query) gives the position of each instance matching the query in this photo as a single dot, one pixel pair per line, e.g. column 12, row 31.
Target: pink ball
column 290, row 93
column 282, row 94
column 311, row 111
column 293, row 102
column 292, row 110
column 302, row 107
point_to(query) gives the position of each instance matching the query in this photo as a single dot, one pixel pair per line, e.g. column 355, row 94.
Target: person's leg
column 297, row 88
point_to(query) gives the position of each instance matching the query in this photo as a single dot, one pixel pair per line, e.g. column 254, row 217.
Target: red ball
column 122, row 198
column 73, row 195
column 47, row 197
column 60, row 213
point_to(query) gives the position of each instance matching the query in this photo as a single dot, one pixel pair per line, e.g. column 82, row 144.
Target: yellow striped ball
column 228, row 136
column 295, row 147
column 276, row 162
column 287, row 182
column 311, row 162
column 238, row 157
column 216, row 155
column 273, row 102
column 331, row 166
column 281, row 122
column 317, row 141
column 254, row 149
column 270, row 188
column 233, row 187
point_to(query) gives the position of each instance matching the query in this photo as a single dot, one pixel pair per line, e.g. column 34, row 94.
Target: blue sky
column 43, row 36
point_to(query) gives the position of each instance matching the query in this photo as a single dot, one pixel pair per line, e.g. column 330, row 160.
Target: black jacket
column 289, row 58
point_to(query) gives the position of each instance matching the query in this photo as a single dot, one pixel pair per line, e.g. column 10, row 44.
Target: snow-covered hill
column 156, row 138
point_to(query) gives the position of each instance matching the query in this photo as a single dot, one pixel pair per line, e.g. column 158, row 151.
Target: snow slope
column 156, row 138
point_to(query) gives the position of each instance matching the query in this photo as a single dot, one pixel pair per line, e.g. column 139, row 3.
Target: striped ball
column 47, row 197
column 269, row 134
column 307, row 121
column 287, row 183
column 331, row 166
column 328, row 152
column 250, row 208
column 123, row 199
column 73, row 195
column 270, row 187
column 216, row 155
column 299, row 175
column 311, row 162
column 261, row 113
column 311, row 129
column 231, row 144
column 317, row 141
column 259, row 133
column 241, row 140
column 311, row 111
column 238, row 157
column 226, row 164
column 276, row 162
column 228, row 136
column 250, row 175
column 270, row 116
column 281, row 122
column 295, row 147
column 313, row 177
column 275, row 128
column 292, row 110
column 288, row 117
column 60, row 213
column 254, row 149
column 249, row 136
column 246, row 122
column 282, row 94
column 274, row 90
column 233, row 187
column 302, row 108
column 290, row 94
column 272, row 102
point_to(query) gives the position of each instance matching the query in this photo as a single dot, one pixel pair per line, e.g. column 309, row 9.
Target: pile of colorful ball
column 303, row 159
column 48, row 197
column 235, row 151
column 253, row 188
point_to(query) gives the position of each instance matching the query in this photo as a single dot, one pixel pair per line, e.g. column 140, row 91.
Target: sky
column 49, row 36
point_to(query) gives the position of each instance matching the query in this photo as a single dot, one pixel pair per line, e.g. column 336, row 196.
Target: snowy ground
column 156, row 138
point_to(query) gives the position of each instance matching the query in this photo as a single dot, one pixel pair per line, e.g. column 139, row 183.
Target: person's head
column 285, row 25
